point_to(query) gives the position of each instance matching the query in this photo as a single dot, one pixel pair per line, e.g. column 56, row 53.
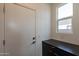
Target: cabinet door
column 1, row 29
column 19, row 30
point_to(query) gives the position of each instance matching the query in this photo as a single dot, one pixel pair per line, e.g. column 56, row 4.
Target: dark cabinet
column 50, row 50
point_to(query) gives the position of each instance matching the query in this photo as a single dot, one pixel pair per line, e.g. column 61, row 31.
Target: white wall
column 42, row 23
column 71, row 38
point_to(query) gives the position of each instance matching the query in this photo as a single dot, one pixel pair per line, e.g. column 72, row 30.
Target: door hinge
column 3, row 9
column 3, row 42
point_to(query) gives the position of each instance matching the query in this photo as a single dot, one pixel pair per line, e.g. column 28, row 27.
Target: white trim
column 64, row 18
column 61, row 4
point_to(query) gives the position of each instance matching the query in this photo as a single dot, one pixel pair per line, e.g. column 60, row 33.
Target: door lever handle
column 33, row 42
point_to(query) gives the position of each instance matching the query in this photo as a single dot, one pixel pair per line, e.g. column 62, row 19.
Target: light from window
column 64, row 19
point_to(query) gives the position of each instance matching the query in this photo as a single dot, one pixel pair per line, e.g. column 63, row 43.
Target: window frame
column 64, row 18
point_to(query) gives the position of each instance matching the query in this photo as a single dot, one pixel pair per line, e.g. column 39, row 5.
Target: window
column 64, row 18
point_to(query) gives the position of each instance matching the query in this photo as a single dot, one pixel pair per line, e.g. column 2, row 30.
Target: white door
column 1, row 28
column 19, row 30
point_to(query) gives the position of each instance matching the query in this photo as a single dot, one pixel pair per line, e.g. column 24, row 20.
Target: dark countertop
column 71, row 48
